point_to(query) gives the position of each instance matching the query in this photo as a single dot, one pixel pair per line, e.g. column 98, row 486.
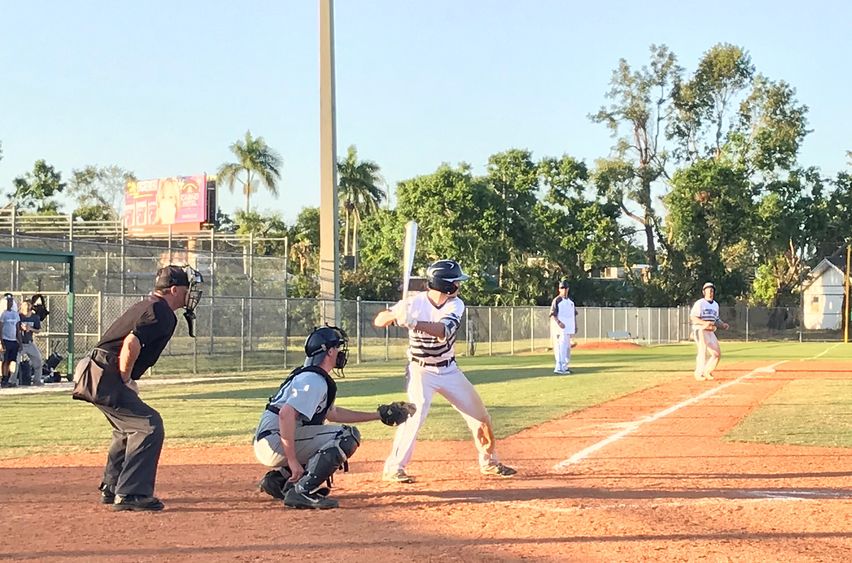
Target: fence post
column 212, row 287
column 512, row 331
column 585, row 324
column 532, row 330
column 121, row 263
column 659, row 325
column 358, row 349
column 600, row 323
column 100, row 317
column 490, row 334
column 387, row 343
column 286, row 327
column 649, row 325
column 746, row 323
column 242, row 333
column 251, row 292
column 468, row 350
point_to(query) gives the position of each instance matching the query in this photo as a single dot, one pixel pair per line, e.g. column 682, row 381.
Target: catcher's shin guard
column 329, row 459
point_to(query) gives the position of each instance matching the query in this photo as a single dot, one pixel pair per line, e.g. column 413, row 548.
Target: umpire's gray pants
column 137, row 440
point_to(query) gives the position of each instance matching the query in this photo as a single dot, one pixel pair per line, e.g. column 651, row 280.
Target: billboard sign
column 153, row 206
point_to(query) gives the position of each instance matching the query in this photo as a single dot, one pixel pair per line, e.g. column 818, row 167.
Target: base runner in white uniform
column 705, row 319
column 433, row 318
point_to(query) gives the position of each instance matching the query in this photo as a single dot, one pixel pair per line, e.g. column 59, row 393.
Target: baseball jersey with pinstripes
column 424, row 346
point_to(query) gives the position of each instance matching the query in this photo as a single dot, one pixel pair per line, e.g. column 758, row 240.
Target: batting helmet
column 323, row 339
column 443, row 275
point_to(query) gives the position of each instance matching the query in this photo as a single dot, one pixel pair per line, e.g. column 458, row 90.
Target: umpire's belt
column 264, row 434
column 442, row 364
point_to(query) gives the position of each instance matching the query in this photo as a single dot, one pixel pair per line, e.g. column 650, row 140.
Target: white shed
column 822, row 295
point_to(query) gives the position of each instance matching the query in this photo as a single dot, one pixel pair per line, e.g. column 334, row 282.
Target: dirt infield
column 644, row 477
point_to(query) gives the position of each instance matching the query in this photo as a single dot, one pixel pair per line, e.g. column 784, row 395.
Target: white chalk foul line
column 636, row 424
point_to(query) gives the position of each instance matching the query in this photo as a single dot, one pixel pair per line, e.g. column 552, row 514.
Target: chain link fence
column 239, row 333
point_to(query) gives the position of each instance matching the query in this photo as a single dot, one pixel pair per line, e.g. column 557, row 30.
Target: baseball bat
column 408, row 248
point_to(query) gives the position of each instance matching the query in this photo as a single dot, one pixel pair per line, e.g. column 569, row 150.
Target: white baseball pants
column 709, row 352
column 451, row 383
column 561, row 342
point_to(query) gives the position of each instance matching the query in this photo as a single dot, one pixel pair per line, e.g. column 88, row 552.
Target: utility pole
column 329, row 221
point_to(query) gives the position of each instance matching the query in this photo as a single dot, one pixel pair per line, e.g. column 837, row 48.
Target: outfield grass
column 520, row 391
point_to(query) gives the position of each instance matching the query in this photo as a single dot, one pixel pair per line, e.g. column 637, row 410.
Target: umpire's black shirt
column 152, row 321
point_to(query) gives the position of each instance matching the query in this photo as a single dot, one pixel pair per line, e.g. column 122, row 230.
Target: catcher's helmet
column 443, row 275
column 323, row 339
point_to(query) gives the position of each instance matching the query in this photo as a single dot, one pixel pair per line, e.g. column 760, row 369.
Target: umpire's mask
column 184, row 276
column 193, row 296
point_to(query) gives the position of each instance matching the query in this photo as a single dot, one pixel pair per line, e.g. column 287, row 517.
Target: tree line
column 703, row 182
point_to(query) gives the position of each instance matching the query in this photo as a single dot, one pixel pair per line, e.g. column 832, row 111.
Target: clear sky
column 162, row 88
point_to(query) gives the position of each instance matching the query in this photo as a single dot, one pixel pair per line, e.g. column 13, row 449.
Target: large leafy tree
column 34, row 191
column 641, row 103
column 257, row 165
column 99, row 191
column 359, row 185
column 514, row 179
column 706, row 102
column 711, row 213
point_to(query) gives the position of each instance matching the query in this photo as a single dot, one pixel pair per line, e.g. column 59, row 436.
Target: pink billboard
column 151, row 206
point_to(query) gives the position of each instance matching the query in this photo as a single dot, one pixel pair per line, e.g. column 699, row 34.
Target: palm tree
column 360, row 194
column 260, row 163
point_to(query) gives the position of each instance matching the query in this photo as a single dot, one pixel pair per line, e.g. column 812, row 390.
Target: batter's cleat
column 137, row 503
column 566, row 372
column 316, row 501
column 400, row 476
column 709, row 376
column 274, row 484
column 699, row 377
column 107, row 493
column 497, row 470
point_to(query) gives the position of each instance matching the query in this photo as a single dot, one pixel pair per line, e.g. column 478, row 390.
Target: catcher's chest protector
column 318, row 418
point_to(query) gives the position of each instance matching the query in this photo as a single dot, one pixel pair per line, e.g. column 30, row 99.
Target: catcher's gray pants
column 309, row 440
column 137, row 439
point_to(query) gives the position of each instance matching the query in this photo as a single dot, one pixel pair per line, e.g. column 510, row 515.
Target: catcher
column 705, row 319
column 293, row 437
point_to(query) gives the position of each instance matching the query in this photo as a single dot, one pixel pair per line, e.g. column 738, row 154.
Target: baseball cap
column 563, row 283
column 170, row 275
column 708, row 284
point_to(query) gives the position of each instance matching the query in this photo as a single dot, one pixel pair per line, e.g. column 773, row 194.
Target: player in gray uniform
column 293, row 436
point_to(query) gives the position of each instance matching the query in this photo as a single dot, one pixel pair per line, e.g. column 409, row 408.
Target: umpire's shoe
column 137, row 503
column 294, row 498
column 107, row 493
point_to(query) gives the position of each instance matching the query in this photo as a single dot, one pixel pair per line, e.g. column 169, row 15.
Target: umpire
column 107, row 378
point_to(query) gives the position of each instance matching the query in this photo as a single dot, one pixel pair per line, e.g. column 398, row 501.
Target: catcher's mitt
column 394, row 414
